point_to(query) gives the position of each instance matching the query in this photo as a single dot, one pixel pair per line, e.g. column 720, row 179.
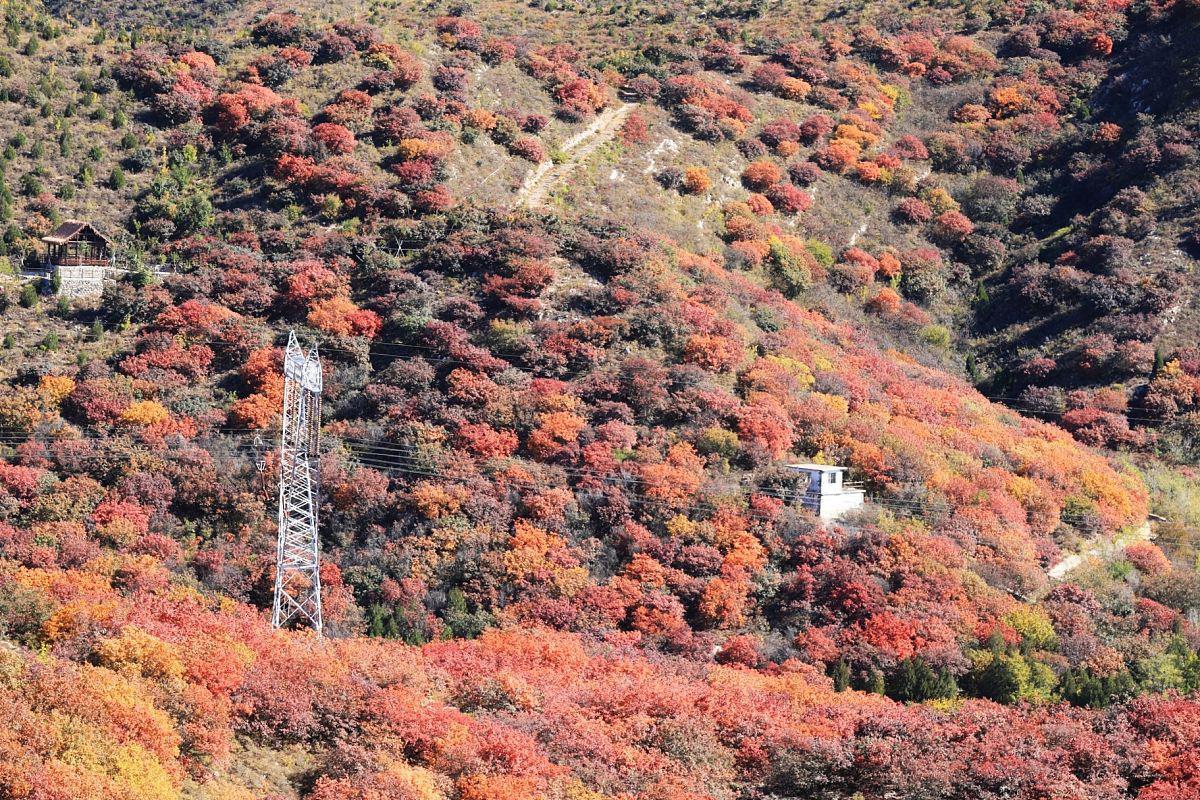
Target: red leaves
column 788, row 199
column 496, row 50
column 816, row 126
column 263, row 373
column 890, row 635
column 528, row 148
column 312, row 281
column 761, row 175
column 282, row 28
column 527, row 278
column 337, row 139
column 741, row 650
column 339, row 315
column 556, row 436
column 838, row 156
column 952, row 226
column 910, row 147
column 722, row 603
column 635, row 129
column 706, row 108
column 763, row 423
column 132, row 513
column 580, row 98
column 885, row 302
column 452, row 340
column 351, row 108
column 767, row 76
column 486, row 442
column 914, row 211
column 1147, row 558
column 855, row 271
column 452, row 81
column 159, row 356
column 714, row 353
column 433, row 201
column 457, row 28
column 21, row 482
column 404, row 71
column 1168, row 729
column 696, row 180
column 779, row 131
column 233, row 110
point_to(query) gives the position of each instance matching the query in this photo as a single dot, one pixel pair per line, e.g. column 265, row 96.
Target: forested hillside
column 584, row 281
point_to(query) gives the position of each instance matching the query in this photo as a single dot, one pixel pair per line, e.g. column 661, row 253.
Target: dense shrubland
column 554, row 440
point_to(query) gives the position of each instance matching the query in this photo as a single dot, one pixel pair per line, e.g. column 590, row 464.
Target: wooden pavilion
column 77, row 244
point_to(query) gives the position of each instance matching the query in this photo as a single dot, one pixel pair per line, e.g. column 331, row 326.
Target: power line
column 401, row 465
column 397, row 455
column 381, row 349
column 389, row 452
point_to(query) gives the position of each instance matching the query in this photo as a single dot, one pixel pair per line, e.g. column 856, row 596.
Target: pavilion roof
column 72, row 229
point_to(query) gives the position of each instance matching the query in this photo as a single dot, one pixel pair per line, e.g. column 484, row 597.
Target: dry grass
column 265, row 771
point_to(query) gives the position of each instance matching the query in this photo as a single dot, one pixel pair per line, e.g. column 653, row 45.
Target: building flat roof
column 820, row 467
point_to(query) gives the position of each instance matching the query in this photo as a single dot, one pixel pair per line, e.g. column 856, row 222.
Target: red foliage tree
column 337, row 139
column 761, row 175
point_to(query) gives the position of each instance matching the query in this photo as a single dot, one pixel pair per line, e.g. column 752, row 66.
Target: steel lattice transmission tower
column 297, row 562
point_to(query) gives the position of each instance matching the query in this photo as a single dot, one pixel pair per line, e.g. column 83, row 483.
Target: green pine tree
column 981, row 294
column 999, row 680
column 946, row 687
column 914, row 682
column 972, row 368
column 375, row 621
column 841, row 676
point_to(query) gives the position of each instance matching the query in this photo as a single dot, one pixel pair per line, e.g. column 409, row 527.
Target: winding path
column 1060, row 570
column 545, row 177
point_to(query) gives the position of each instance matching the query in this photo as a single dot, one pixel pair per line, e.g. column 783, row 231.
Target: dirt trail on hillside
column 1059, row 571
column 545, row 177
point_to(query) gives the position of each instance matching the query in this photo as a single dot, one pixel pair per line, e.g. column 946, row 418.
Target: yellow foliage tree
column 145, row 413
column 53, row 389
column 136, row 652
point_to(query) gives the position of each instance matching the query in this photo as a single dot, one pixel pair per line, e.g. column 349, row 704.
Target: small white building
column 826, row 493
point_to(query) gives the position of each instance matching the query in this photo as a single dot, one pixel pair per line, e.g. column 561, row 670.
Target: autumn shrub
column 337, row 139
column 884, row 302
column 759, row 204
column 528, row 148
column 952, row 226
column 695, row 180
column 804, row 173
column 635, row 129
column 914, row 211
column 789, row 199
column 761, row 175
